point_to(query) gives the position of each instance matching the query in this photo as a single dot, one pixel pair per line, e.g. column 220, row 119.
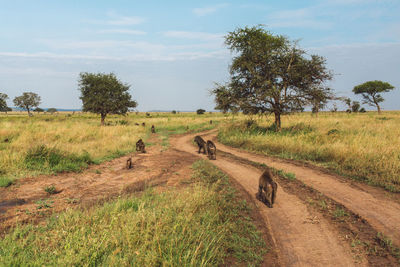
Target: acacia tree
column 104, row 94
column 371, row 92
column 269, row 74
column 27, row 101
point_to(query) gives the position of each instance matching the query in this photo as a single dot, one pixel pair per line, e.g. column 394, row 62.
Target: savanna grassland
column 363, row 146
column 200, row 224
column 46, row 144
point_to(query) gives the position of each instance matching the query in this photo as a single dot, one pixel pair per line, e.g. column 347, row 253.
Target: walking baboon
column 143, row 124
column 136, row 123
column 140, row 146
column 211, row 150
column 129, row 164
column 201, row 143
column 153, row 129
column 267, row 189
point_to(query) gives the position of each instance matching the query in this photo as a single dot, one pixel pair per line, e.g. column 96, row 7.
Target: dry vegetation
column 364, row 146
column 69, row 142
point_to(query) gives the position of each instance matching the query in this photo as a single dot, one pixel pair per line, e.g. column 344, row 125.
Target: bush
column 200, row 111
column 50, row 189
column 362, row 110
column 355, row 107
column 5, row 182
column 51, row 159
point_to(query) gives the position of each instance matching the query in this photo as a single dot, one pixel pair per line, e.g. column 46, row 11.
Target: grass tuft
column 5, row 181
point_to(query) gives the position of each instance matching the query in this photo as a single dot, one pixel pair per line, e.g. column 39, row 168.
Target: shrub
column 50, row 189
column 5, row 181
column 200, row 111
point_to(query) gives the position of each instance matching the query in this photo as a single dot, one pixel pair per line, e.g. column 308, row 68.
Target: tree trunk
column 277, row 121
column 379, row 108
column 103, row 117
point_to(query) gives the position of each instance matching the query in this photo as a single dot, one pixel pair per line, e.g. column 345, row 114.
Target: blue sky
column 171, row 52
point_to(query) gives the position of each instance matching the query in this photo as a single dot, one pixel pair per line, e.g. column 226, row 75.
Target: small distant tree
column 371, row 92
column 174, row 112
column 318, row 97
column 362, row 110
column 347, row 102
column 104, row 94
column 27, row 101
column 200, row 111
column 38, row 110
column 51, row 110
column 3, row 103
column 355, row 106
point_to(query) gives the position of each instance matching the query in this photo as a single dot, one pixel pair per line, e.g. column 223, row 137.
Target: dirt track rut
column 382, row 213
column 299, row 242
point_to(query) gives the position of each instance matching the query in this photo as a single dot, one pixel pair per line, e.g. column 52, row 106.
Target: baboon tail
column 274, row 189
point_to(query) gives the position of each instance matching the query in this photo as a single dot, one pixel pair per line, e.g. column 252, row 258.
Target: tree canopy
column 27, row 101
column 371, row 92
column 3, row 103
column 51, row 110
column 269, row 74
column 104, row 94
column 200, row 111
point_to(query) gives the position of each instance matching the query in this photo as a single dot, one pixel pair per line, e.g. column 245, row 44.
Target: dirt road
column 300, row 242
column 382, row 213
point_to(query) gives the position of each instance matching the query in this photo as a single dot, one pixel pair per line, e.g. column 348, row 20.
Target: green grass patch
column 201, row 224
column 5, row 181
column 54, row 160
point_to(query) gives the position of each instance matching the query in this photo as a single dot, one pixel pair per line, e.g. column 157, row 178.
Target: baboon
column 136, row 123
column 143, row 124
column 129, row 164
column 267, row 189
column 153, row 129
column 140, row 146
column 211, row 150
column 210, row 121
column 201, row 143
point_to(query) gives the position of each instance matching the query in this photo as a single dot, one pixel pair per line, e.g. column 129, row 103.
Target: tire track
column 299, row 243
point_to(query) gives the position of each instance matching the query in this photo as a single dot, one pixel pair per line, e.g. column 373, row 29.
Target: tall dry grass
column 76, row 136
column 364, row 146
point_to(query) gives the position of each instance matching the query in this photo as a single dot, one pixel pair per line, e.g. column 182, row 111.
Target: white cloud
column 193, row 35
column 202, row 11
column 121, row 20
column 123, row 31
column 297, row 18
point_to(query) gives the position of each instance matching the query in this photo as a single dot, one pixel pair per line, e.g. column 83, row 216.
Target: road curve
column 380, row 212
column 299, row 242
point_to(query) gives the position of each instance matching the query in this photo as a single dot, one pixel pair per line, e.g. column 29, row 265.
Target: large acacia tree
column 104, row 94
column 371, row 92
column 269, row 74
column 27, row 101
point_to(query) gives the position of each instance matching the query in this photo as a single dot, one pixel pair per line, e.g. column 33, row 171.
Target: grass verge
column 203, row 223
